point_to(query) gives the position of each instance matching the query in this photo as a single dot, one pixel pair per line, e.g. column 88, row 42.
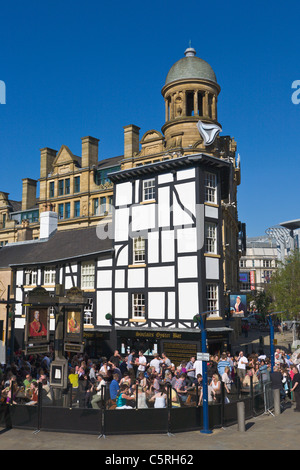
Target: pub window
column 138, row 250
column 138, row 306
column 88, row 275
column 210, row 238
column 30, row 277
column 49, row 277
column 210, row 187
column 88, row 312
column 149, row 190
column 212, row 299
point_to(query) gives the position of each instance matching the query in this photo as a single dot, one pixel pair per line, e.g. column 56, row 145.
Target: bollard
column 276, row 394
column 241, row 416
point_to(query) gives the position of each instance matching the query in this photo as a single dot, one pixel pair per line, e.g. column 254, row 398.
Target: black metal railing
column 70, row 413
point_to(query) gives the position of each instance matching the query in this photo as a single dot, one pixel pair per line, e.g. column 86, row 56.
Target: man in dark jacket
column 296, row 387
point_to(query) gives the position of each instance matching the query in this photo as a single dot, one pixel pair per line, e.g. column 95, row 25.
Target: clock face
column 208, row 131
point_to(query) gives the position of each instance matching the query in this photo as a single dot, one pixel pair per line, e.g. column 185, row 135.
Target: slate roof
column 62, row 245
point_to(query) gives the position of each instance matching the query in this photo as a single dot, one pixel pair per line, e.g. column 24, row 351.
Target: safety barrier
column 68, row 417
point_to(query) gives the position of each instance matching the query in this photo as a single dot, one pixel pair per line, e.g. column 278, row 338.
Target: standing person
column 166, row 364
column 190, row 371
column 116, row 358
column 130, row 364
column 227, row 380
column 216, row 386
column 222, row 364
column 156, row 363
column 296, row 387
column 241, row 366
column 141, row 363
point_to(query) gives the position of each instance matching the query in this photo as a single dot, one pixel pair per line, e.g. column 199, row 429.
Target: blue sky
column 76, row 68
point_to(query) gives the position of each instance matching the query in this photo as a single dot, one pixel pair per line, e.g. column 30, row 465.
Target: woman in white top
column 216, row 386
column 160, row 398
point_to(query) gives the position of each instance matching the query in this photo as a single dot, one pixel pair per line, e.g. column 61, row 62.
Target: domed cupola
column 190, row 93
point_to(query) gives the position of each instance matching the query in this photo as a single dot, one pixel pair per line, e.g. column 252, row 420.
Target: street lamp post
column 10, row 303
column 272, row 352
column 200, row 319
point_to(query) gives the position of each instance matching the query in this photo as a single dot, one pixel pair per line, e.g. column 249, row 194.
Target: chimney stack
column 28, row 194
column 47, row 158
column 131, row 140
column 48, row 223
column 89, row 153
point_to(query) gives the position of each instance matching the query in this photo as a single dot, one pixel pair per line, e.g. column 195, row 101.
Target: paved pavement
column 265, row 432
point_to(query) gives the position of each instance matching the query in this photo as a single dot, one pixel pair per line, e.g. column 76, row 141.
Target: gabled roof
column 65, row 245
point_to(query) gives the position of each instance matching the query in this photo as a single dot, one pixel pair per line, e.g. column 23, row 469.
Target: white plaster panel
column 122, row 256
column 143, row 217
column 156, row 305
column 187, row 267
column 19, row 296
column 212, row 268
column 104, row 263
column 121, row 224
column 73, row 268
column 137, row 191
column 188, row 300
column 164, row 207
column 119, row 278
column 211, row 212
column 171, row 305
column 185, row 174
column 121, row 305
column 68, row 282
column 186, row 193
column 166, row 178
column 19, row 278
column 153, row 250
column 123, row 194
column 162, row 276
column 167, row 244
column 187, row 240
column 104, row 278
column 136, row 277
column 104, row 306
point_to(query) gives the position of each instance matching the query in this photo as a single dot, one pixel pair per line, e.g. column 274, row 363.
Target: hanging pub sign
column 37, row 329
column 37, row 324
column 73, row 331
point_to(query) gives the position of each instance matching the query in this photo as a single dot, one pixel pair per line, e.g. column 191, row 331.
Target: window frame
column 88, row 278
column 149, row 190
column 138, row 253
column 210, row 187
column 212, row 299
column 49, row 277
column 138, row 305
column 211, row 238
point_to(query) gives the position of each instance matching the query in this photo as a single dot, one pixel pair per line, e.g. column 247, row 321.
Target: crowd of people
column 135, row 381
